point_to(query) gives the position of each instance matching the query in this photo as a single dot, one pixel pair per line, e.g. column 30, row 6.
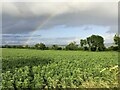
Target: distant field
column 24, row 68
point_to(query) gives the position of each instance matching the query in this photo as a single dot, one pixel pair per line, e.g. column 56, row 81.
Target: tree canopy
column 96, row 42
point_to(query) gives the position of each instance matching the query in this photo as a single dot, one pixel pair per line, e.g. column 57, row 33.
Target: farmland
column 24, row 68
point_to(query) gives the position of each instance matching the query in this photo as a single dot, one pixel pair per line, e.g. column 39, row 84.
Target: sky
column 57, row 22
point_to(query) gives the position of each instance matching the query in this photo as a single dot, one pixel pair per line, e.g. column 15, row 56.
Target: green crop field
column 25, row 68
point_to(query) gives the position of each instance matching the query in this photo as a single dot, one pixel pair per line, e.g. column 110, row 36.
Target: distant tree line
column 92, row 43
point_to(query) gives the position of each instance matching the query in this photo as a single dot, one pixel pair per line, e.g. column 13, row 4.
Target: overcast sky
column 57, row 23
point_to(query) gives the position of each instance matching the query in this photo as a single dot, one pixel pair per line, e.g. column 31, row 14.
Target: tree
column 117, row 39
column 56, row 47
column 25, row 46
column 114, row 48
column 83, row 42
column 72, row 46
column 95, row 43
column 117, row 42
column 40, row 46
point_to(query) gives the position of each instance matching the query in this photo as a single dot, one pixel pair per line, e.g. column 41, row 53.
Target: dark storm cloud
column 26, row 17
column 14, row 25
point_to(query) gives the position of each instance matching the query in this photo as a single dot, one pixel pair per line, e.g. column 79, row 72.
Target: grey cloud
column 87, row 28
column 13, row 39
column 17, row 38
column 25, row 17
column 20, row 35
column 14, row 25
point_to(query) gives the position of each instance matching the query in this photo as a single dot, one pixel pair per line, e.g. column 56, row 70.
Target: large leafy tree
column 95, row 42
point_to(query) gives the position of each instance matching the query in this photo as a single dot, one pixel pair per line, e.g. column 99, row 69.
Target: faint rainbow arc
column 40, row 26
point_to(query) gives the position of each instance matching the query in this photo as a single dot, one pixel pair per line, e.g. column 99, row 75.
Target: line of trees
column 92, row 43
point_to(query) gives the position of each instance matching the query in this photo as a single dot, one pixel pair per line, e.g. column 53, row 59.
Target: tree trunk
column 97, row 49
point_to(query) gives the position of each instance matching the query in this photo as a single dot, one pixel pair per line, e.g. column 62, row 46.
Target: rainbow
column 39, row 27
